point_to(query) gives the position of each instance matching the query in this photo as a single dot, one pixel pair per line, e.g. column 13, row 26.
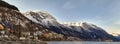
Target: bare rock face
column 13, row 17
column 87, row 32
column 13, row 24
column 17, row 26
column 5, row 4
column 12, row 20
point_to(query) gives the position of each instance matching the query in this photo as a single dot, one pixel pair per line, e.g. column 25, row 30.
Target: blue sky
column 103, row 13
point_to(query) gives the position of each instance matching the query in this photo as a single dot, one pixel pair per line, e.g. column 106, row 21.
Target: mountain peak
column 38, row 20
column 5, row 4
column 86, row 31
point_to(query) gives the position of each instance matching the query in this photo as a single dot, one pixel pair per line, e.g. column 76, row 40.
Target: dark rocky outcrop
column 5, row 4
column 11, row 16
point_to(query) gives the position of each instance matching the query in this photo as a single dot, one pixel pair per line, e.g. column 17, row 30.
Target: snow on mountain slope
column 41, row 18
column 85, row 31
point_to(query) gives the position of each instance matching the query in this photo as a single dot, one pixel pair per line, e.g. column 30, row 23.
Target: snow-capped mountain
column 116, row 35
column 86, row 31
column 12, row 19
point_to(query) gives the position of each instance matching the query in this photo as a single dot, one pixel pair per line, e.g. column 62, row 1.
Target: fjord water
column 83, row 42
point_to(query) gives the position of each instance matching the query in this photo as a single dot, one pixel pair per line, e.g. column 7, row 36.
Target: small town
column 8, row 33
column 59, row 22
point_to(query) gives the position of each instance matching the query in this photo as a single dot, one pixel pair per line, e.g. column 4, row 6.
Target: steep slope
column 116, row 35
column 12, row 19
column 85, row 32
column 5, row 4
column 13, row 26
column 13, row 23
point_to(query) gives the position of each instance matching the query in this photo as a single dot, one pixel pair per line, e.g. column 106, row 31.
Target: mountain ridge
column 13, row 19
column 86, row 28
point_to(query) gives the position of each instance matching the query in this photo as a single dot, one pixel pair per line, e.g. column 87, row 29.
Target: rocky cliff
column 42, row 26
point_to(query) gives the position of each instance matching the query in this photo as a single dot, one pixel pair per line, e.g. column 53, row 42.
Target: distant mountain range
column 86, row 31
column 28, row 21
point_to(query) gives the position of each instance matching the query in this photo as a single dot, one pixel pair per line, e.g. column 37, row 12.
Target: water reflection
column 70, row 42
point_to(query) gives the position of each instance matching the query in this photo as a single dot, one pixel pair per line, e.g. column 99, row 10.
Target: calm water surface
column 83, row 42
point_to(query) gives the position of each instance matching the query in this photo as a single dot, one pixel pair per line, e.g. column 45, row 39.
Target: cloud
column 113, row 28
column 114, row 9
column 70, row 4
column 117, row 22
